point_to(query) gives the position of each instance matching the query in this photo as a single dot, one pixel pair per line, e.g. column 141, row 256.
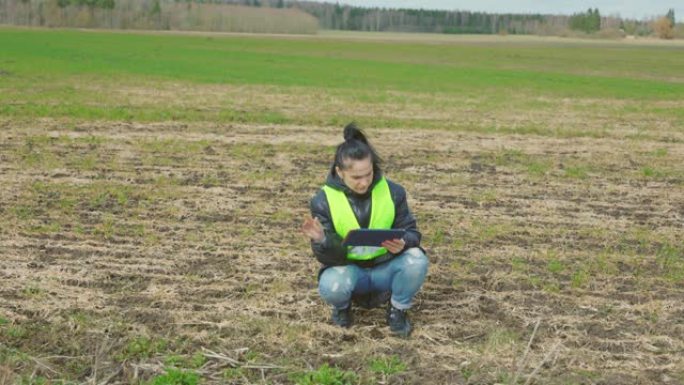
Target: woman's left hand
column 394, row 246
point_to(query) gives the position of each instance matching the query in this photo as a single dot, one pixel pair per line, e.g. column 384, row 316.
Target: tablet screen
column 371, row 237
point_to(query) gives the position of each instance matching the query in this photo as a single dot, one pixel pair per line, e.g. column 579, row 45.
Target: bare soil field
column 128, row 248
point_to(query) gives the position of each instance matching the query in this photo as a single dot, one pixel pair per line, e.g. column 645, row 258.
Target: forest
column 279, row 16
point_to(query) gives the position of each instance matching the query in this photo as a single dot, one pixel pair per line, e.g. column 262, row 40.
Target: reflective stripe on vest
column 344, row 220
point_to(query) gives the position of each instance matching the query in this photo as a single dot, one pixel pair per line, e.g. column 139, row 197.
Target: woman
column 397, row 270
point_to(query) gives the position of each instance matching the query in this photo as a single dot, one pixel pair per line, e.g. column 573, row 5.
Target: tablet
column 371, row 237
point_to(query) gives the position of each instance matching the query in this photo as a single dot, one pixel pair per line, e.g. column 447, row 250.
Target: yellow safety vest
column 344, row 220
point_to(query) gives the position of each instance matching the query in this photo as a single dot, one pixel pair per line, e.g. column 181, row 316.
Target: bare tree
column 663, row 28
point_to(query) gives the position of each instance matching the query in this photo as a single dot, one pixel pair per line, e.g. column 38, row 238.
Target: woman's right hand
column 313, row 229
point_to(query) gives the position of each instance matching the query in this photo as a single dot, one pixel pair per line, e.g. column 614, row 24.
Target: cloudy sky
column 626, row 8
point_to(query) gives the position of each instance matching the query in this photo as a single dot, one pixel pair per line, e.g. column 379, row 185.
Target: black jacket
column 330, row 252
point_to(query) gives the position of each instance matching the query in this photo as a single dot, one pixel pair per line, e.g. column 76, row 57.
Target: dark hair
column 355, row 146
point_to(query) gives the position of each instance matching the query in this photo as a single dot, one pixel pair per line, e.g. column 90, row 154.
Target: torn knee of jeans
column 415, row 255
column 415, row 252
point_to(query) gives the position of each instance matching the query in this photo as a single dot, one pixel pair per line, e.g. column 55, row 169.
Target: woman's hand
column 394, row 246
column 313, row 229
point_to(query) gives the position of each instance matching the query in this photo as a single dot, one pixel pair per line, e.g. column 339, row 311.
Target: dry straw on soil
column 553, row 259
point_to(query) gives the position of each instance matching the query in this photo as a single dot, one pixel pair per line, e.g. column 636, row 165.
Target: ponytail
column 353, row 132
column 356, row 147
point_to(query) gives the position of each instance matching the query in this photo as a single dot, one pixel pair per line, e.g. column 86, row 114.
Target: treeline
column 292, row 16
column 588, row 22
column 157, row 15
column 336, row 16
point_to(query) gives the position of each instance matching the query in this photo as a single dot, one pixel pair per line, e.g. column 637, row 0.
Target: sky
column 633, row 9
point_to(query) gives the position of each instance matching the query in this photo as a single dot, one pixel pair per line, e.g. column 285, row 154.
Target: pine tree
column 671, row 16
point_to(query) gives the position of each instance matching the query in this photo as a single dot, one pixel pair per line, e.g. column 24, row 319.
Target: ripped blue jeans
column 403, row 276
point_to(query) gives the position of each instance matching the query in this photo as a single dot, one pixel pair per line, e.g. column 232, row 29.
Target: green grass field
column 152, row 186
column 69, row 73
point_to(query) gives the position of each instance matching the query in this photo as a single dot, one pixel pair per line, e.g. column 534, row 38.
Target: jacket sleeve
column 403, row 218
column 330, row 252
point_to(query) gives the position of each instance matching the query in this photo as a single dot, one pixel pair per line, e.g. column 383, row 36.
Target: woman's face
column 357, row 174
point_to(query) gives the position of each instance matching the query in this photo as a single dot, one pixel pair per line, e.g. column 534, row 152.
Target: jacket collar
column 333, row 180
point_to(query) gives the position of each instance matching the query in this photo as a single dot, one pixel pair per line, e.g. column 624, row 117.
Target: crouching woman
column 356, row 195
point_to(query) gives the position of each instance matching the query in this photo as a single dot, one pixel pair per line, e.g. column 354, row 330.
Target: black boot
column 342, row 317
column 398, row 321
